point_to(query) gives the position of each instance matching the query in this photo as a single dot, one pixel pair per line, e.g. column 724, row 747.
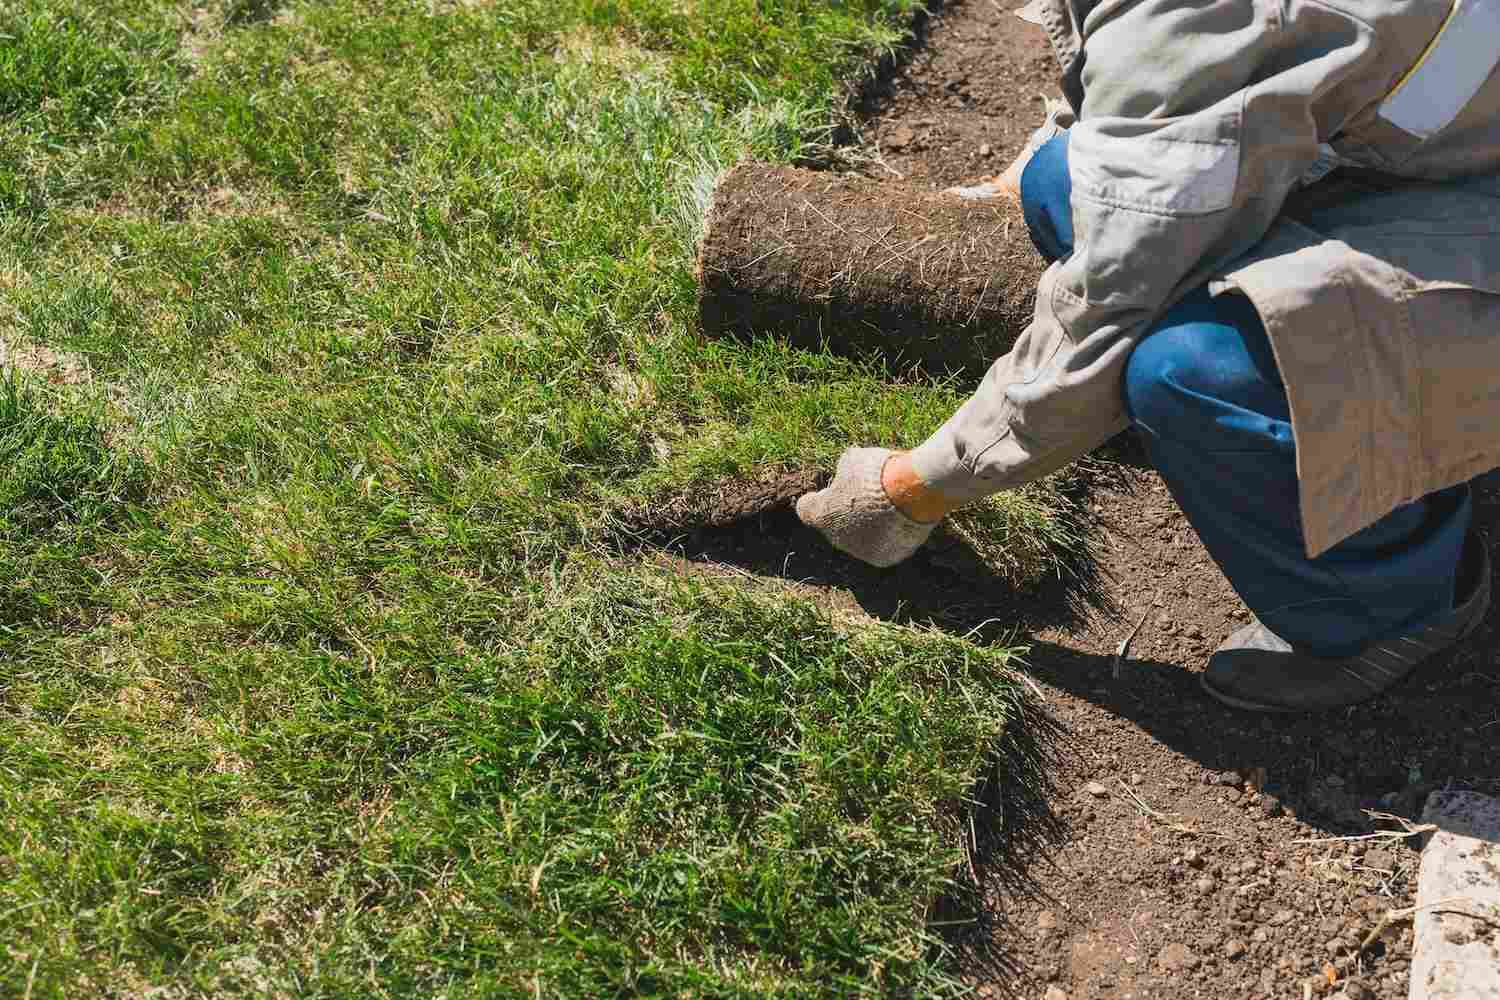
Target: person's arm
column 1197, row 120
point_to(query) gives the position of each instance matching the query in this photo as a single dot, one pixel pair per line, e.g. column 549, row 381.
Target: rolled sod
column 865, row 267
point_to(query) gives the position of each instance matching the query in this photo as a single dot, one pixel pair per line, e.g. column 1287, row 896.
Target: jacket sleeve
column 1197, row 120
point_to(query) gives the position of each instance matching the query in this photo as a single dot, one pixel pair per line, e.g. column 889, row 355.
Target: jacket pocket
column 1171, row 166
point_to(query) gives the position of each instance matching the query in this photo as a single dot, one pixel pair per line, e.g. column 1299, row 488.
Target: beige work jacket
column 1201, row 131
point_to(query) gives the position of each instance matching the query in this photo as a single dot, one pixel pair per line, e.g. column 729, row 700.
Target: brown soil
column 866, row 267
column 964, row 104
column 1186, row 868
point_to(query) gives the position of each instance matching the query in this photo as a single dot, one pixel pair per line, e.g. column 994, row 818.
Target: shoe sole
column 1476, row 615
column 1250, row 706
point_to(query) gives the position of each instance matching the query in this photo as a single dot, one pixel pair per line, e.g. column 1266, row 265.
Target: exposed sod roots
column 865, row 267
column 721, row 503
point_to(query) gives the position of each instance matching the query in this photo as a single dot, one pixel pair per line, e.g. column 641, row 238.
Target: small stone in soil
column 985, row 149
column 1046, row 920
column 1231, row 778
column 1176, row 957
column 1235, row 948
column 1192, row 857
column 1319, row 985
column 1381, row 859
column 1204, row 885
column 1053, row 993
column 1096, row 789
column 1282, row 917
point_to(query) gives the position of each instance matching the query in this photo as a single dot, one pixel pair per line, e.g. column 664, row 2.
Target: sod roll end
column 865, row 267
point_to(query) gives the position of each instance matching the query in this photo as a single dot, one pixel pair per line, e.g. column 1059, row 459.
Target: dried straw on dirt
column 865, row 267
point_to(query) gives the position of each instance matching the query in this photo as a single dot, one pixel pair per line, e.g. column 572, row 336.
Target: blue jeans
column 1204, row 391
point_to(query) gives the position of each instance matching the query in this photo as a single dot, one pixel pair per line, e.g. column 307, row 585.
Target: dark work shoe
column 1256, row 669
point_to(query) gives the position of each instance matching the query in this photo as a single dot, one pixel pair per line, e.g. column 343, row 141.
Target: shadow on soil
column 1010, row 822
column 1434, row 731
column 945, row 586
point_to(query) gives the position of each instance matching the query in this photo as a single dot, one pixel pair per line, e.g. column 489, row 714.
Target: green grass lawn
column 334, row 331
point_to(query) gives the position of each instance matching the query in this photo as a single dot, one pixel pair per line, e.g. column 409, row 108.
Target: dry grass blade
column 1124, row 647
column 1164, row 819
column 1409, row 829
column 1486, row 915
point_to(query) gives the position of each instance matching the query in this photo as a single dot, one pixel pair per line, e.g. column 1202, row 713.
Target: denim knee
column 1205, row 374
column 1157, row 379
column 1047, row 198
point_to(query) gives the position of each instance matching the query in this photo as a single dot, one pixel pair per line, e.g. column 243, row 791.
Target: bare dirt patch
column 609, row 48
column 964, row 104
column 47, row 363
column 191, row 203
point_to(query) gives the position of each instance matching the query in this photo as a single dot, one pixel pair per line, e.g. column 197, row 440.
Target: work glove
column 856, row 516
column 1003, row 185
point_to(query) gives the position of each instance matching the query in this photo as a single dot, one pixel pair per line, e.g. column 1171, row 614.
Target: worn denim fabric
column 1204, row 391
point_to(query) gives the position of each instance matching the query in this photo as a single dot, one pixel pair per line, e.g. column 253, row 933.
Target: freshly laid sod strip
column 334, row 334
column 664, row 789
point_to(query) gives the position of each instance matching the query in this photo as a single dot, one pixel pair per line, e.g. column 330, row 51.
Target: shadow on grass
column 751, row 525
column 945, row 586
column 239, row 13
column 1010, row 823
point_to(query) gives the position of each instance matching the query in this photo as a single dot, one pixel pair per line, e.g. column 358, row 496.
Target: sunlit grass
column 360, row 318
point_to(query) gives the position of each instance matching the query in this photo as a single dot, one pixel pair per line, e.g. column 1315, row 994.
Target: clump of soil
column 866, row 267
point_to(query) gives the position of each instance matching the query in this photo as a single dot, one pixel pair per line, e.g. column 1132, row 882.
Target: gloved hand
column 1002, row 185
column 854, row 513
